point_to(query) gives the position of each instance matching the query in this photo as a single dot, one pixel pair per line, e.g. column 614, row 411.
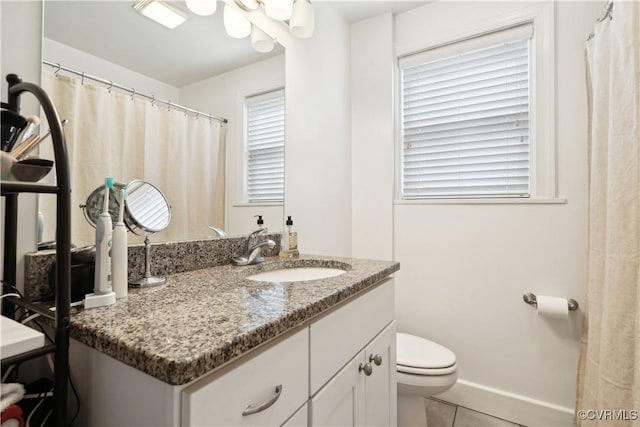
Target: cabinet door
column 299, row 419
column 380, row 386
column 341, row 401
column 261, row 391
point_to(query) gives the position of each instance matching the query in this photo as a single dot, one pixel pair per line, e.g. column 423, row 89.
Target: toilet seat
column 419, row 356
column 427, row 372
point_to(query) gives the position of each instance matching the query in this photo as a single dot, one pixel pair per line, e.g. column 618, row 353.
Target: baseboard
column 509, row 406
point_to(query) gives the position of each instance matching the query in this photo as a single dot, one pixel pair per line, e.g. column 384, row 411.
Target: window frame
column 260, row 96
column 542, row 160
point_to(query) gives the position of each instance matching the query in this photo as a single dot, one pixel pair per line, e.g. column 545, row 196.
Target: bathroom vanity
column 214, row 348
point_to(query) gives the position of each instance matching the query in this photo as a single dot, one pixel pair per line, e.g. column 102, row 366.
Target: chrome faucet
column 253, row 249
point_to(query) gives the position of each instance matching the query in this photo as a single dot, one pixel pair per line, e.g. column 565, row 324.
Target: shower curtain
column 609, row 371
column 114, row 134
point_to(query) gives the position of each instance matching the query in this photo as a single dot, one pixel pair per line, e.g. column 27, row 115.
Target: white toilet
column 424, row 369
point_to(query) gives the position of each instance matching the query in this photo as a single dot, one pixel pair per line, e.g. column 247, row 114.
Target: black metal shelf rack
column 10, row 191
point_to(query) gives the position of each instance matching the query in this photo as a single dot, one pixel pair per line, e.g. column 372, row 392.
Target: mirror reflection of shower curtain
column 112, row 134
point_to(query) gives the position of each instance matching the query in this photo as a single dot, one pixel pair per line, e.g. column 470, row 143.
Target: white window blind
column 265, row 147
column 465, row 118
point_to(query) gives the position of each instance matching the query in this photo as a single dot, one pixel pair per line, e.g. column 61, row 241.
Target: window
column 264, row 135
column 465, row 118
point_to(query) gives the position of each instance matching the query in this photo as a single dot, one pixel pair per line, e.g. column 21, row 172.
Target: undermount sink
column 299, row 274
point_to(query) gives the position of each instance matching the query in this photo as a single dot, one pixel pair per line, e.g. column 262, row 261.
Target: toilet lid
column 417, row 352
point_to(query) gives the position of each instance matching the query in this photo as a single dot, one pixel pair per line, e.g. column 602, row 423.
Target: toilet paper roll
column 553, row 307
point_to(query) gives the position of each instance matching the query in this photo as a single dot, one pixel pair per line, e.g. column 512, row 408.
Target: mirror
column 196, row 65
column 146, row 208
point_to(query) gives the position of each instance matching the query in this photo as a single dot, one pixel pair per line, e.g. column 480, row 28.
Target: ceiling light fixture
column 298, row 14
column 236, row 25
column 261, row 41
column 161, row 12
column 302, row 20
column 202, row 7
column 278, row 9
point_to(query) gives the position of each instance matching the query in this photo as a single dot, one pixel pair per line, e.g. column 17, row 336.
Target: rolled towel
column 10, row 394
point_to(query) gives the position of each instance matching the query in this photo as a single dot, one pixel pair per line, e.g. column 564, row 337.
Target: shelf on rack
column 18, row 338
column 13, row 187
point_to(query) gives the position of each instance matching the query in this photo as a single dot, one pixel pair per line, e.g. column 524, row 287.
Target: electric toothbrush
column 102, row 292
column 119, row 252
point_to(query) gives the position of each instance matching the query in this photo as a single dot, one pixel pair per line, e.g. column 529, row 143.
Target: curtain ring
column 133, row 92
column 82, row 78
column 110, row 86
column 153, row 100
column 169, row 105
column 57, row 69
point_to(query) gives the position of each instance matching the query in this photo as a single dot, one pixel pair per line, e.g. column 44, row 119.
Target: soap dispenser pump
column 260, row 223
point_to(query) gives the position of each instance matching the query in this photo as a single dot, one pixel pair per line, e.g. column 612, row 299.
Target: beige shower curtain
column 609, row 374
column 113, row 134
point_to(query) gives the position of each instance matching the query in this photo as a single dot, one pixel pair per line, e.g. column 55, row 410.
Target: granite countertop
column 202, row 319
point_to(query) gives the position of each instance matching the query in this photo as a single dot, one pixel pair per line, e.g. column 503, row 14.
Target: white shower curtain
column 609, row 374
column 113, row 134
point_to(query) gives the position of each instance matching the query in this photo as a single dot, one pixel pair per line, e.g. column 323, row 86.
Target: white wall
column 82, row 61
column 318, row 153
column 464, row 268
column 21, row 27
column 225, row 94
column 372, row 133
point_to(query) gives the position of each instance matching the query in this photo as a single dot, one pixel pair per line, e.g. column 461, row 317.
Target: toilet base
column 411, row 411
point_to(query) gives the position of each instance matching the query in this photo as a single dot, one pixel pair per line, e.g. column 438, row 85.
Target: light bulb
column 278, row 9
column 302, row 19
column 236, row 25
column 202, row 7
column 261, row 41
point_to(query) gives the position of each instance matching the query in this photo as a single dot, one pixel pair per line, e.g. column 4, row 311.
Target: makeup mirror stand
column 148, row 280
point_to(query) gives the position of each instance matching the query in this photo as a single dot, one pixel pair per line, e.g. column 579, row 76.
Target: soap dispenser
column 289, row 241
column 259, row 223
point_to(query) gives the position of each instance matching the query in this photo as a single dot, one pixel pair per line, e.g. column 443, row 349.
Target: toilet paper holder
column 530, row 298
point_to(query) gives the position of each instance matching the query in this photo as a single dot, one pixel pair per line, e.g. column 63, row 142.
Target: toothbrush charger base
column 99, row 300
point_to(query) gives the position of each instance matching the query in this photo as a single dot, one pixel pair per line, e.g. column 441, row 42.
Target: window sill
column 257, row 204
column 488, row 201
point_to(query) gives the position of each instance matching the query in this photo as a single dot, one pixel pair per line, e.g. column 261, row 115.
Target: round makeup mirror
column 146, row 211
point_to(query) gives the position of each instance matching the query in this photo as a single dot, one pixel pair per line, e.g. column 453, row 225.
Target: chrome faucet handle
column 253, row 237
column 254, row 255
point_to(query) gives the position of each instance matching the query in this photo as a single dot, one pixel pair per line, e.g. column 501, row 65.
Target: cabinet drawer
column 336, row 338
column 222, row 399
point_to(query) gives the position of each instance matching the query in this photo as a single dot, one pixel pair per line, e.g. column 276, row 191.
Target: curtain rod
column 132, row 91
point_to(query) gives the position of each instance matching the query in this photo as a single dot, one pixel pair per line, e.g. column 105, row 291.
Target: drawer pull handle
column 366, row 367
column 261, row 407
column 377, row 359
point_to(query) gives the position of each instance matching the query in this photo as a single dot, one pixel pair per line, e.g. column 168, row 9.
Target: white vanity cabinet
column 325, row 372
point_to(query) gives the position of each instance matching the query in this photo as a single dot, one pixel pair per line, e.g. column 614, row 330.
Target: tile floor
column 444, row 414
